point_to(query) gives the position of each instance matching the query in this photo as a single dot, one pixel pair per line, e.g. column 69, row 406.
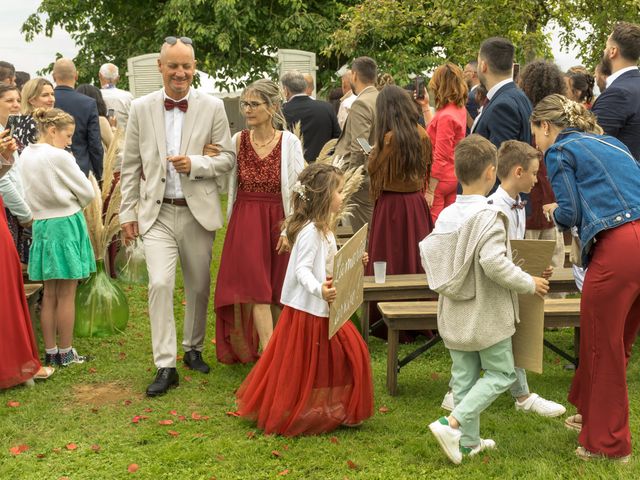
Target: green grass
column 72, row 407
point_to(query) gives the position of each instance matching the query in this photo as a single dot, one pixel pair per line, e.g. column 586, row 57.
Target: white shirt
column 614, row 76
column 120, row 101
column 307, row 270
column 173, row 120
column 455, row 215
column 345, row 105
column 517, row 216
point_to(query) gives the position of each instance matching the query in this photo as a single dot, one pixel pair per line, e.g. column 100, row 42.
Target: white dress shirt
column 614, row 76
column 173, row 120
column 517, row 216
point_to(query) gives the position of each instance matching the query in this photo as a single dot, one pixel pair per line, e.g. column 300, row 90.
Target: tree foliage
column 233, row 39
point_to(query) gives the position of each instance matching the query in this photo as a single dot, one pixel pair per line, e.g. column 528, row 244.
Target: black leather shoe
column 193, row 360
column 166, row 378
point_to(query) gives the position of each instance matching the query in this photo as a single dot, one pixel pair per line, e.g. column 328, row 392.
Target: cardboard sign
column 348, row 280
column 533, row 256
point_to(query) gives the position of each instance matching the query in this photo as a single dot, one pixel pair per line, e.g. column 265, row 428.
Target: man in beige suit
column 170, row 198
column 360, row 124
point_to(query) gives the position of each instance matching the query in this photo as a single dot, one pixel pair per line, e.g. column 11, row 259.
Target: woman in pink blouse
column 446, row 128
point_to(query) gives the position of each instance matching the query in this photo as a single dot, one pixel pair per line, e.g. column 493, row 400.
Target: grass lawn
column 92, row 421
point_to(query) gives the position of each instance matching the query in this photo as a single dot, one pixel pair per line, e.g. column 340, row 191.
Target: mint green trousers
column 473, row 393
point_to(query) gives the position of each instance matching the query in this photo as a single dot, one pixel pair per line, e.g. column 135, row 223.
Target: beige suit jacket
column 360, row 123
column 144, row 164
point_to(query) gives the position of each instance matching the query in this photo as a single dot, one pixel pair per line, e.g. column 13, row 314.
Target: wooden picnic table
column 415, row 287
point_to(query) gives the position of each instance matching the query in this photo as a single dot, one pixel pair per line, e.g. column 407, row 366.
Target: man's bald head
column 178, row 47
column 177, row 65
column 64, row 72
column 309, row 79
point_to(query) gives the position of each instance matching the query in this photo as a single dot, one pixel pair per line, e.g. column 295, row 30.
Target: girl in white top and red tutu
column 306, row 383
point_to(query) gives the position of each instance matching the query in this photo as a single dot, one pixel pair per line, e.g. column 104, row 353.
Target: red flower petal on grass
column 148, row 410
column 95, row 448
column 276, row 453
column 220, row 458
column 187, row 378
column 71, row 446
column 196, row 416
column 383, row 409
column 17, row 450
column 166, row 422
column 92, row 370
column 127, row 402
column 213, row 340
column 122, row 355
column 284, row 472
column 136, row 419
column 233, row 414
column 182, row 418
column 173, row 412
column 40, row 455
column 285, row 447
column 133, row 468
column 251, row 434
column 13, row 404
column 435, row 376
column 184, row 302
column 352, row 465
column 334, row 440
column 173, row 433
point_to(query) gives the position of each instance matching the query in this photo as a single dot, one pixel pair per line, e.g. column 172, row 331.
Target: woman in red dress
column 254, row 256
column 398, row 169
column 20, row 361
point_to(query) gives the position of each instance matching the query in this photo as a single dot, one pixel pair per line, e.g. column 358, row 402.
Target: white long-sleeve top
column 307, row 270
column 53, row 183
column 12, row 192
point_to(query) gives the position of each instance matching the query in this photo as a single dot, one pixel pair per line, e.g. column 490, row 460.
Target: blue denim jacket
column 596, row 182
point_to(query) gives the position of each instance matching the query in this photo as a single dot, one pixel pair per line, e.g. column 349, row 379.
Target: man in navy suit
column 506, row 115
column 86, row 144
column 618, row 108
column 470, row 74
column 318, row 121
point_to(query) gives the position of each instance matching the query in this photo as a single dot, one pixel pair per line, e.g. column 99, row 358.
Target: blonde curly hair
column 564, row 113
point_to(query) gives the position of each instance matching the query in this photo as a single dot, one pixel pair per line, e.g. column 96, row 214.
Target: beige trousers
column 557, row 261
column 176, row 234
column 362, row 206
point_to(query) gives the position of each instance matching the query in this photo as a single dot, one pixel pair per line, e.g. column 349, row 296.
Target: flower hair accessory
column 300, row 189
column 569, row 111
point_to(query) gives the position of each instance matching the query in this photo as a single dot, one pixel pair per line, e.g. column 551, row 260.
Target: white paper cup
column 380, row 271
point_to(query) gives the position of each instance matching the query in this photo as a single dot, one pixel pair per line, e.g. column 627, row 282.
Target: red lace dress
column 18, row 351
column 251, row 271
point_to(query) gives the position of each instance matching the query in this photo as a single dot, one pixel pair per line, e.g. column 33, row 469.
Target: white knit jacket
column 471, row 269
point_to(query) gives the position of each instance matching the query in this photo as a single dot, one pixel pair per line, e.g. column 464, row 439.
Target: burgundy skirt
column 251, row 271
column 400, row 221
column 306, row 384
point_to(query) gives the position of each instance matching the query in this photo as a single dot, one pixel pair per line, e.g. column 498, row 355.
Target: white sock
column 65, row 350
column 51, row 351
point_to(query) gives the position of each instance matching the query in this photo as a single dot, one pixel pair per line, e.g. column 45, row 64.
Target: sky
column 31, row 57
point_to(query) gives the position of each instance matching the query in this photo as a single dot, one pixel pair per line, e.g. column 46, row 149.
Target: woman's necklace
column 262, row 145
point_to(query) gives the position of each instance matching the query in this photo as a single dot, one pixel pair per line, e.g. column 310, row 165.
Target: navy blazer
column 618, row 110
column 506, row 116
column 86, row 144
column 318, row 122
column 472, row 105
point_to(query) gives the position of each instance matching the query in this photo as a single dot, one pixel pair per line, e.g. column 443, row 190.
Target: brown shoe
column 584, row 454
column 574, row 422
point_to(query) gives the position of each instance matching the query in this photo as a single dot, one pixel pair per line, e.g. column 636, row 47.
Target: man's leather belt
column 179, row 202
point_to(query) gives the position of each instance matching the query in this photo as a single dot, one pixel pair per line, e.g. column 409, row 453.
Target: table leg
column 364, row 322
column 392, row 360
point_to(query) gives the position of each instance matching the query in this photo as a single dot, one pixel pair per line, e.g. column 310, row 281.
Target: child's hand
column 542, row 286
column 328, row 291
column 547, row 272
column 365, row 259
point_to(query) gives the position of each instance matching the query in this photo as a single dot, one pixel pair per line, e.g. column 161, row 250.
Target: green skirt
column 61, row 249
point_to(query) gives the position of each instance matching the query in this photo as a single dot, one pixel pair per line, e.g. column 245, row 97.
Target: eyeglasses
column 250, row 105
column 174, row 40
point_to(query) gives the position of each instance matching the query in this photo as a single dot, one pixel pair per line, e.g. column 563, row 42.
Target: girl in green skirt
column 61, row 254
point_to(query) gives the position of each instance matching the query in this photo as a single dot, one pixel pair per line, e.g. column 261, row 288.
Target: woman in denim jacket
column 596, row 182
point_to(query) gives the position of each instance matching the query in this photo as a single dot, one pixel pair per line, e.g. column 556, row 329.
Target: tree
column 232, row 39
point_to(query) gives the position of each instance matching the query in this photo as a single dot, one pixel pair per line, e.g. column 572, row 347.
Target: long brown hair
column 311, row 198
column 448, row 86
column 396, row 112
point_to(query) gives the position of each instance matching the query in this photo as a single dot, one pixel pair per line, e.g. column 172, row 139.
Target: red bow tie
column 170, row 105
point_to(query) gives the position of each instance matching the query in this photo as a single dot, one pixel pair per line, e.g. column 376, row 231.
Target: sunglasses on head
column 174, row 40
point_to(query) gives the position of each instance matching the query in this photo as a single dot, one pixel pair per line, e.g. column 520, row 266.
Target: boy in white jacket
column 478, row 305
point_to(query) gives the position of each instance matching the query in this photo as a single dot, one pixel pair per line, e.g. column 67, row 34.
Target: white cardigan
column 306, row 271
column 53, row 182
column 291, row 164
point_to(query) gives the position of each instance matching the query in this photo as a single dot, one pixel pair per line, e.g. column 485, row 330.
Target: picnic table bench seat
column 422, row 315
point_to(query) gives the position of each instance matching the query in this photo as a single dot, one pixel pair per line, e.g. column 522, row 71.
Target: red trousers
column 444, row 195
column 609, row 322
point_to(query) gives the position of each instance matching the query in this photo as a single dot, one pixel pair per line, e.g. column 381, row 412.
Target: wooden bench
column 414, row 287
column 33, row 291
column 422, row 316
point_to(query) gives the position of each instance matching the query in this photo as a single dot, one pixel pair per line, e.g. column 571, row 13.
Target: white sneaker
column 447, row 402
column 485, row 444
column 536, row 404
column 448, row 438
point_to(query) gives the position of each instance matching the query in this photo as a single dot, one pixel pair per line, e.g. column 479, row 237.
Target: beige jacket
column 144, row 164
column 471, row 268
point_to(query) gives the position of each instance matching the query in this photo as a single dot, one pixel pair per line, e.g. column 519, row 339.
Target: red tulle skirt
column 18, row 352
column 306, row 384
column 400, row 221
column 251, row 271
